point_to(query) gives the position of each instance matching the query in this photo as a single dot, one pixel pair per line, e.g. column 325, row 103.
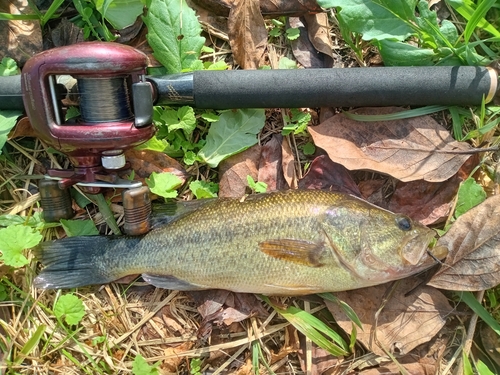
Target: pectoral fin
column 170, row 282
column 297, row 251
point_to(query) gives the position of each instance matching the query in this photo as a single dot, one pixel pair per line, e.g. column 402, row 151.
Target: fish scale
column 284, row 243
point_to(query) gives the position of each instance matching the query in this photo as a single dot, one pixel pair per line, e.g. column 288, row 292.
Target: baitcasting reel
column 115, row 106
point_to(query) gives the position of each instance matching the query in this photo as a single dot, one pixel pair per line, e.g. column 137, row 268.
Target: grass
column 129, row 329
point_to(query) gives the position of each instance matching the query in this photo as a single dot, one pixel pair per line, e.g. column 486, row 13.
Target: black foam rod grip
column 344, row 87
column 11, row 96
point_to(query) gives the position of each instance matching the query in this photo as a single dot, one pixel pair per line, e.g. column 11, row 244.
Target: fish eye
column 404, row 223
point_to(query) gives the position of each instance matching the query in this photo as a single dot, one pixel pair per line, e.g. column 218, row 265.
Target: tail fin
column 80, row 261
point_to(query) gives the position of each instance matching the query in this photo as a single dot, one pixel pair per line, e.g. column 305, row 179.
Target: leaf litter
column 141, row 321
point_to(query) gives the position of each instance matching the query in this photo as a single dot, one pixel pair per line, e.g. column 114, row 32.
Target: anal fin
column 171, row 282
column 307, row 253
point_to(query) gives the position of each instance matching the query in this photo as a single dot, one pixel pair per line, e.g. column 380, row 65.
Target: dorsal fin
column 165, row 213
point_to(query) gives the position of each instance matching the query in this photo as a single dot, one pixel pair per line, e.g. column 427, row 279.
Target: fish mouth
column 416, row 249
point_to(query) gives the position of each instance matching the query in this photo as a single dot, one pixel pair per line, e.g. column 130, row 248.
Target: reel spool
column 115, row 104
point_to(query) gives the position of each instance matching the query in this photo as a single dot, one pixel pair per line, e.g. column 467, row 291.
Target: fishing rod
column 115, row 98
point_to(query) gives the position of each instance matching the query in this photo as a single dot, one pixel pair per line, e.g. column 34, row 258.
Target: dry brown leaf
column 288, row 164
column 20, row 39
column 491, row 343
column 145, row 162
column 22, row 129
column 318, row 30
column 221, row 306
column 429, row 202
column 405, row 321
column 247, row 33
column 270, row 166
column 267, row 7
column 65, row 34
column 409, row 149
column 234, row 171
column 306, row 47
column 322, row 361
column 473, row 242
column 324, row 174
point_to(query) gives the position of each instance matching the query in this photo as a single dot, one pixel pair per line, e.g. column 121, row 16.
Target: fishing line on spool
column 104, row 99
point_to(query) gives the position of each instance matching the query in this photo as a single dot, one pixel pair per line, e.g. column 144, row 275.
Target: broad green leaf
column 234, row 132
column 377, row 19
column 141, row 367
column 8, row 67
column 14, row 240
column 8, row 120
column 79, row 227
column 402, row 54
column 164, row 184
column 204, row 189
column 69, row 307
column 174, row 34
column 33, row 221
column 120, row 13
column 470, row 194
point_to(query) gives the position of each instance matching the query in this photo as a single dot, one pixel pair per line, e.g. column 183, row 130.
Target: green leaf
column 69, row 307
column 210, row 117
column 204, row 189
column 467, row 8
column 286, row 63
column 164, row 184
column 79, row 227
column 154, row 144
column 377, row 19
column 3, row 293
column 313, row 328
column 470, row 194
column 120, row 13
column 482, row 369
column 351, row 314
column 396, row 53
column 8, row 67
column 183, row 118
column 72, row 112
column 219, row 65
column 309, row 148
column 234, row 132
column 293, row 33
column 31, row 344
column 258, row 187
column 174, row 33
column 141, row 367
column 14, row 240
column 8, row 120
column 31, row 221
column 479, row 309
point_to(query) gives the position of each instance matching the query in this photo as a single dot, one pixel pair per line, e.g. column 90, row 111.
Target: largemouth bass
column 281, row 243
